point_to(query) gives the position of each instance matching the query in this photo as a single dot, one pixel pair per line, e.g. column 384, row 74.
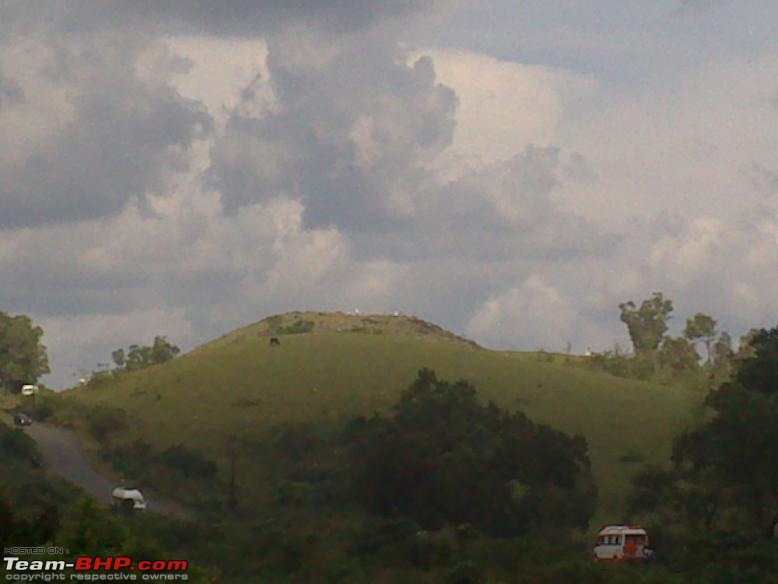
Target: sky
column 512, row 171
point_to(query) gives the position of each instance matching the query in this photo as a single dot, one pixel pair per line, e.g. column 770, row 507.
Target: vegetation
column 141, row 356
column 720, row 497
column 14, row 443
column 188, row 461
column 665, row 359
column 647, row 324
column 102, row 421
column 22, row 356
column 442, row 458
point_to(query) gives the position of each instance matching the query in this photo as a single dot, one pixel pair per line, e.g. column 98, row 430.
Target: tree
column 119, row 359
column 141, row 356
column 679, row 496
column 722, row 351
column 138, row 357
column 678, row 354
column 23, row 357
column 701, row 327
column 162, row 350
column 647, row 324
column 760, row 371
column 443, row 458
column 730, row 460
column 745, row 350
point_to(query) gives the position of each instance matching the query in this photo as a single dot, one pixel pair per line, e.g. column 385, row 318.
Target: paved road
column 63, row 455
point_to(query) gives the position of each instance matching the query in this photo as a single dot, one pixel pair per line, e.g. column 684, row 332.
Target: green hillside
column 331, row 366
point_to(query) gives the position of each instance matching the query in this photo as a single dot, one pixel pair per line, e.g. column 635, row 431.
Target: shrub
column 102, row 421
column 632, row 456
column 295, row 441
column 297, row 327
column 130, row 459
column 16, row 444
column 188, row 461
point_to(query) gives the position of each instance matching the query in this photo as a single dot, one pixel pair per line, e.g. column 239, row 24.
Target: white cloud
column 531, row 315
column 503, row 106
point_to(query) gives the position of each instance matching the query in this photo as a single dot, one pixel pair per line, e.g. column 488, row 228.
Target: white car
column 123, row 497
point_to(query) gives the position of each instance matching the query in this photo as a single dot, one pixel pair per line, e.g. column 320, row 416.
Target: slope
column 240, row 387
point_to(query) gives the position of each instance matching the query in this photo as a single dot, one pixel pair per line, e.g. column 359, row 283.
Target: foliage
column 443, row 458
column 627, row 366
column 142, row 356
column 188, row 461
column 722, row 352
column 647, row 324
column 677, row 354
column 745, row 350
column 725, row 475
column 132, row 459
column 19, row 531
column 102, row 421
column 16, row 444
column 701, row 327
column 759, row 372
column 297, row 327
column 22, row 356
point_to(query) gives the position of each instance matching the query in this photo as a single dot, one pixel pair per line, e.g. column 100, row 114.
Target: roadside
column 63, row 455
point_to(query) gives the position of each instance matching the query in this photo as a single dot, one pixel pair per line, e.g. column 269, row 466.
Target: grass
column 239, row 386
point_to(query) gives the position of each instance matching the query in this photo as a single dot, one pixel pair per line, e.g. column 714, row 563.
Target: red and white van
column 622, row 543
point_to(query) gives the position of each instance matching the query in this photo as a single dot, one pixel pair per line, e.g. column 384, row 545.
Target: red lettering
column 102, row 563
column 121, row 562
column 83, row 563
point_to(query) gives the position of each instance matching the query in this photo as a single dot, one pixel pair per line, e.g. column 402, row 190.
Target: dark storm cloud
column 118, row 146
column 249, row 17
column 127, row 133
column 347, row 138
column 215, row 17
column 110, row 134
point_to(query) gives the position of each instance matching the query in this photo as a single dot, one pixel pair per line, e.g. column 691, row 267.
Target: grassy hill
column 332, row 366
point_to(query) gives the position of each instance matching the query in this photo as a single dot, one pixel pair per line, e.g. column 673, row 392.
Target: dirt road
column 63, row 456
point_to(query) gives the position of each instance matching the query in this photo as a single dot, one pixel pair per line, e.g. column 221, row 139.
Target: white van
column 128, row 498
column 622, row 543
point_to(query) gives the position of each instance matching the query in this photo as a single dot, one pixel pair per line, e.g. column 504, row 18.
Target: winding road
column 63, row 456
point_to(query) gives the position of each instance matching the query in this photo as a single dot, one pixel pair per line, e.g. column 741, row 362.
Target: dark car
column 22, row 420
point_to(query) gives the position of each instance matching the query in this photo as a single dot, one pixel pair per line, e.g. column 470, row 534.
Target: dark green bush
column 102, row 421
column 297, row 327
column 131, row 459
column 443, row 458
column 188, row 461
column 14, row 443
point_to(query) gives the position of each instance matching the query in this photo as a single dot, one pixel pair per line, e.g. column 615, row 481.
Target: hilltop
column 341, row 322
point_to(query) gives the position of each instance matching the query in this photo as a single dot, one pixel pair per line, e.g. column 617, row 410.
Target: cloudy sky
column 510, row 170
